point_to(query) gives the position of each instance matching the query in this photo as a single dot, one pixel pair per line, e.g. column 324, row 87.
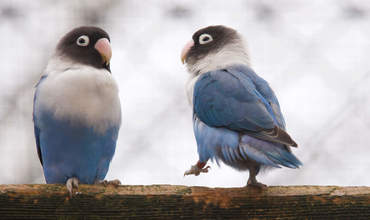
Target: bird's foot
column 196, row 170
column 114, row 183
column 256, row 184
column 70, row 184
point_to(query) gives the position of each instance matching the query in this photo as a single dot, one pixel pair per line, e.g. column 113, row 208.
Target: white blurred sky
column 314, row 54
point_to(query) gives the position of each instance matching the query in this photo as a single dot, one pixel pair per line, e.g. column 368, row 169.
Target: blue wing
column 237, row 99
column 36, row 127
column 265, row 90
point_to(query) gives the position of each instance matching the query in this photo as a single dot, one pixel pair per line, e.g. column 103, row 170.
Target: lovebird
column 77, row 110
column 236, row 116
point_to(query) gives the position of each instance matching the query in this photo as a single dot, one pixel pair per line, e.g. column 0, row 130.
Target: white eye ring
column 83, row 41
column 205, row 38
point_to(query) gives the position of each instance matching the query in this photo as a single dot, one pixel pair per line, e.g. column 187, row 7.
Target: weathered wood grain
column 174, row 202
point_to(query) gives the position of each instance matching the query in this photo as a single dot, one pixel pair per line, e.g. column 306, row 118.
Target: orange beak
column 185, row 51
column 103, row 47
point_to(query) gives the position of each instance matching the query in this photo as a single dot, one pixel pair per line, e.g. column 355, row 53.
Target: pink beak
column 103, row 47
column 185, row 50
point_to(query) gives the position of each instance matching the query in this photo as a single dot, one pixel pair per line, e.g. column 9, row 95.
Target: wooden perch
column 169, row 202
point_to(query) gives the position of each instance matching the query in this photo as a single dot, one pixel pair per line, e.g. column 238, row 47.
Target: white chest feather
column 81, row 94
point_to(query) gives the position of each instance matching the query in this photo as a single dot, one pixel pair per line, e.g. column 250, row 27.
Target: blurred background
column 315, row 54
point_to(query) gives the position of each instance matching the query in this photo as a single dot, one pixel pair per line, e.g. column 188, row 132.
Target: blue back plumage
column 228, row 105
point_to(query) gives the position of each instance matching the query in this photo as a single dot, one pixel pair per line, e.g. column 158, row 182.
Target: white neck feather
column 231, row 54
column 234, row 53
column 58, row 64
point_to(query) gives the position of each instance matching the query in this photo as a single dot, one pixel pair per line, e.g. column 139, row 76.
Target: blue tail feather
column 257, row 155
column 266, row 153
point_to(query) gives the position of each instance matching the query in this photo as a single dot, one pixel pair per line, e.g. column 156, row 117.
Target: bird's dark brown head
column 207, row 40
column 87, row 45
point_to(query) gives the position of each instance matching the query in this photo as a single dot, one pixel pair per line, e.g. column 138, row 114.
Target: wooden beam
column 169, row 202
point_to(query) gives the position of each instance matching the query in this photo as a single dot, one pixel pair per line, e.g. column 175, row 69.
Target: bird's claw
column 196, row 170
column 70, row 184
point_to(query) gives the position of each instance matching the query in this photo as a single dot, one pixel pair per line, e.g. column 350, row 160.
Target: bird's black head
column 87, row 45
column 208, row 40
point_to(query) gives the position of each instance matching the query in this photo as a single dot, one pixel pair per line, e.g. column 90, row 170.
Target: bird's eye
column 205, row 38
column 83, row 41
